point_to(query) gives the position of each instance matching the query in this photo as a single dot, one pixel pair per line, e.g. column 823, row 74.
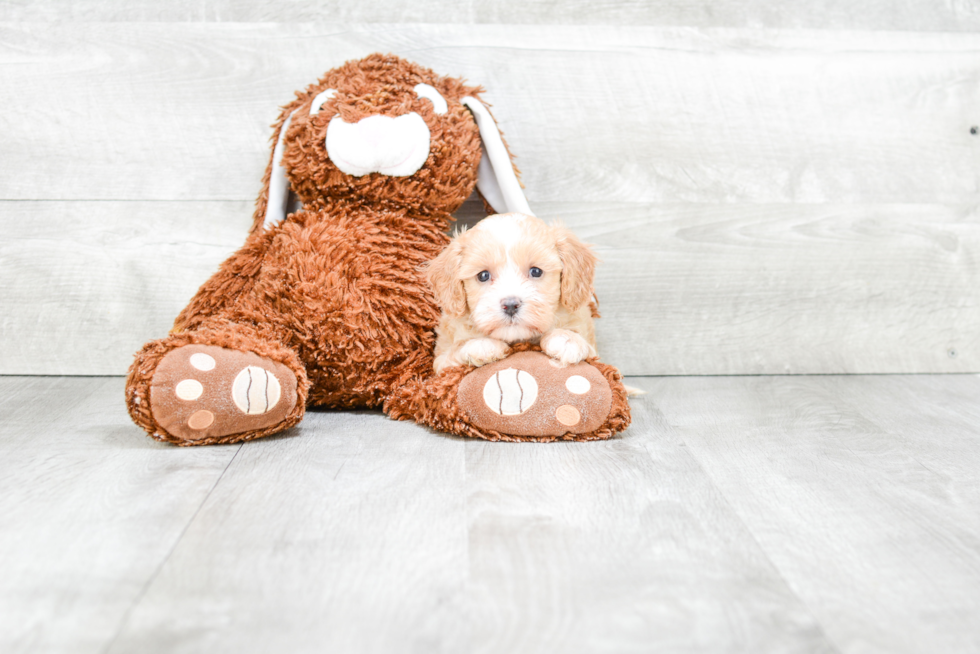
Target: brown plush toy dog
column 326, row 305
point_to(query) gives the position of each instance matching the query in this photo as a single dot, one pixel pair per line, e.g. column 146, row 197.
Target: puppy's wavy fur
column 513, row 279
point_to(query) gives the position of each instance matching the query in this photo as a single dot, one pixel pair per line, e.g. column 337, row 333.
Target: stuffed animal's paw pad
column 255, row 390
column 510, row 392
column 527, row 394
column 202, row 391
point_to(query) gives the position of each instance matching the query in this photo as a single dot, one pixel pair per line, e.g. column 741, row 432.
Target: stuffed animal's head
column 385, row 130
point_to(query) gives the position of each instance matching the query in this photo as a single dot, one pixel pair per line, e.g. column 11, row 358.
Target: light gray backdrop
column 788, row 190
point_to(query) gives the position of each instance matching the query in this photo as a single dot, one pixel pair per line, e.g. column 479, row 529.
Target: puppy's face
column 510, row 274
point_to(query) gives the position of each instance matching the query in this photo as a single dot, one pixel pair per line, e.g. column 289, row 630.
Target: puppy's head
column 511, row 273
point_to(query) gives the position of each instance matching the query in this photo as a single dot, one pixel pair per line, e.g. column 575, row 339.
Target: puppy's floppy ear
column 495, row 178
column 443, row 275
column 577, row 268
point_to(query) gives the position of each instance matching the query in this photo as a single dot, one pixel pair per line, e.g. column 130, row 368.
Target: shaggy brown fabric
column 334, row 292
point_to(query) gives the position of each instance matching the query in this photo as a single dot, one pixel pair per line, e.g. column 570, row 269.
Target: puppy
column 510, row 279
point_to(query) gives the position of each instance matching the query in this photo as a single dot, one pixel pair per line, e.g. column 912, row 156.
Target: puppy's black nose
column 510, row 305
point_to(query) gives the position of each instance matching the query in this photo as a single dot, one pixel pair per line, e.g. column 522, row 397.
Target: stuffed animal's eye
column 321, row 100
column 484, row 276
column 535, row 272
column 438, row 102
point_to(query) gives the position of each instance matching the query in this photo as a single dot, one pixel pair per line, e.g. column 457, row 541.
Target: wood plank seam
column 149, row 582
column 735, row 515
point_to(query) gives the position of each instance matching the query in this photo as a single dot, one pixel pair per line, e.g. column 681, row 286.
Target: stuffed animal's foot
column 205, row 392
column 529, row 394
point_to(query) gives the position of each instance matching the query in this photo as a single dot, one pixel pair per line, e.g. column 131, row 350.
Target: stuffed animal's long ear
column 276, row 204
column 443, row 275
column 577, row 269
column 495, row 177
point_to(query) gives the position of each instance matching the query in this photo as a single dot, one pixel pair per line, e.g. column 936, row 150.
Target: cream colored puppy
column 512, row 278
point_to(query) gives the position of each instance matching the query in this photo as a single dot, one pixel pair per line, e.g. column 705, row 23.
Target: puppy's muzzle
column 510, row 306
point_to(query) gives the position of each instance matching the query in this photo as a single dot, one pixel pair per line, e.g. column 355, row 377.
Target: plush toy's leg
column 525, row 397
column 218, row 385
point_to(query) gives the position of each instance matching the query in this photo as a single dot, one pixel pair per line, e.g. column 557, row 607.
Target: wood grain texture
column 89, row 510
column 346, row 535
column 767, row 201
column 737, row 514
column 918, row 15
column 862, row 490
column 642, row 114
column 87, row 283
column 785, row 289
column 619, row 546
column 684, row 289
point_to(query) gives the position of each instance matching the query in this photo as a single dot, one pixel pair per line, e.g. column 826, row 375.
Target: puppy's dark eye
column 484, row 276
column 535, row 272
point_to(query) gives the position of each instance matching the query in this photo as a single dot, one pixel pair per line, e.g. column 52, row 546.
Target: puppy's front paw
column 566, row 346
column 481, row 351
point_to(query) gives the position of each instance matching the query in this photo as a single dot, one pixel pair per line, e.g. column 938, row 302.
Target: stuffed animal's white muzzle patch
column 378, row 144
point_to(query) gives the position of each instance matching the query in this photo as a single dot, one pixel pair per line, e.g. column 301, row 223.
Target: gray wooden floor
column 753, row 514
